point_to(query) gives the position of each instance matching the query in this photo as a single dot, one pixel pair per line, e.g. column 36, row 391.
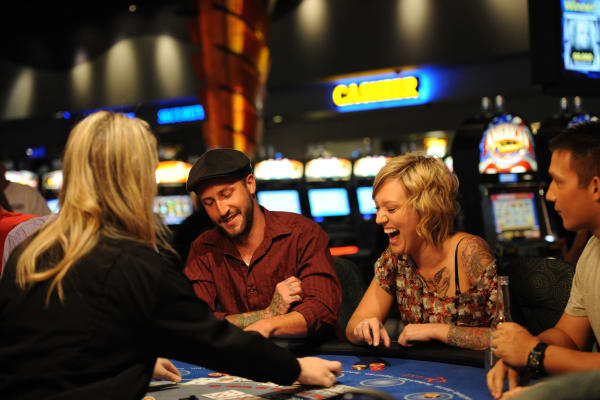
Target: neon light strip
column 180, row 114
column 343, row 250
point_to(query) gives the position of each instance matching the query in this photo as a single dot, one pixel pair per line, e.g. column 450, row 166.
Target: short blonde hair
column 431, row 189
column 108, row 189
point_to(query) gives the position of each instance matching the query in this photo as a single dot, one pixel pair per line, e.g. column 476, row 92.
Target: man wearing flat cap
column 264, row 271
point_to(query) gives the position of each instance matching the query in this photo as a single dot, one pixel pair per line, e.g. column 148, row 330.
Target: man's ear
column 250, row 182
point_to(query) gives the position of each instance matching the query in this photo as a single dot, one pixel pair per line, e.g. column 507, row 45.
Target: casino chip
column 212, row 374
column 428, row 395
column 377, row 366
column 359, row 367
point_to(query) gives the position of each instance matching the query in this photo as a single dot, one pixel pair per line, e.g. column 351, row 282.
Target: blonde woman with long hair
column 89, row 302
column 443, row 282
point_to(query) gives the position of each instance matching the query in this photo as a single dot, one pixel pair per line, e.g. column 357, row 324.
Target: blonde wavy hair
column 108, row 189
column 431, row 190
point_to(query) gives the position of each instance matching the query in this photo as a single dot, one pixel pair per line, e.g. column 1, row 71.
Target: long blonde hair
column 431, row 190
column 108, row 189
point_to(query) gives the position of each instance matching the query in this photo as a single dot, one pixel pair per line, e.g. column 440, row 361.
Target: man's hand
column 420, row 333
column 164, row 369
column 495, row 378
column 286, row 293
column 316, row 371
column 371, row 331
column 513, row 343
column 264, row 327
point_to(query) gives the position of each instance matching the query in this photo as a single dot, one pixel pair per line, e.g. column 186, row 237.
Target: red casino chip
column 377, row 366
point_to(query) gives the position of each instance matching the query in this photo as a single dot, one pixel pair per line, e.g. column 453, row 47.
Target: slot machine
column 514, row 211
column 330, row 202
column 279, row 185
column 23, row 177
column 372, row 241
column 364, row 171
column 172, row 202
column 51, row 184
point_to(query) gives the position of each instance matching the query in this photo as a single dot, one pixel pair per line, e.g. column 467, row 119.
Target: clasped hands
column 286, row 293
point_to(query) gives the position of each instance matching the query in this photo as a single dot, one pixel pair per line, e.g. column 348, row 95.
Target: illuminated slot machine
column 279, row 185
column 173, row 203
column 364, row 171
column 515, row 215
column 23, row 177
column 371, row 238
column 52, row 183
column 331, row 203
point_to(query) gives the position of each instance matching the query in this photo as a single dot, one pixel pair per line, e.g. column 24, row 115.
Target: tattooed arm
column 475, row 258
column 279, row 321
column 459, row 336
column 267, row 324
column 469, row 337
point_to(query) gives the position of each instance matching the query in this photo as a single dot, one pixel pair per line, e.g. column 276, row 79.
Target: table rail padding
column 425, row 351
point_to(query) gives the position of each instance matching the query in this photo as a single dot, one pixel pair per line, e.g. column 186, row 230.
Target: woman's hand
column 372, row 332
column 421, row 333
column 164, row 369
column 317, row 371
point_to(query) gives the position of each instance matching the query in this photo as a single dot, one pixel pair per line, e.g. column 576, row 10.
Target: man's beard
column 247, row 215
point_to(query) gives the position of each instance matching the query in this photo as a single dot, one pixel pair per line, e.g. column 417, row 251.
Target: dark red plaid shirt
column 293, row 246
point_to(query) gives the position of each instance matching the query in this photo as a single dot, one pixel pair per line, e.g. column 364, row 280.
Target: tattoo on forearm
column 247, row 319
column 469, row 337
column 278, row 306
column 440, row 282
column 476, row 256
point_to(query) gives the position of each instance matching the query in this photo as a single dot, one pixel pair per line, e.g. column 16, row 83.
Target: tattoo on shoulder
column 440, row 282
column 469, row 337
column 476, row 256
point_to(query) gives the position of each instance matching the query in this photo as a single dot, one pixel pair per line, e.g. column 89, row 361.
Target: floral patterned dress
column 398, row 276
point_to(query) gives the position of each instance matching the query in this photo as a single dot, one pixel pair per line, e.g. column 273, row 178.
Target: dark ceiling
column 51, row 35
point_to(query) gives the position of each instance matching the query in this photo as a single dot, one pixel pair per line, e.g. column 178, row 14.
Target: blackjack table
column 423, row 371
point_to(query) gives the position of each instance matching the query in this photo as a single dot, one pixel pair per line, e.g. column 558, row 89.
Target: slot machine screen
column 173, row 209
column 366, row 204
column 565, row 46
column 53, row 205
column 328, row 202
column 280, row 200
column 515, row 216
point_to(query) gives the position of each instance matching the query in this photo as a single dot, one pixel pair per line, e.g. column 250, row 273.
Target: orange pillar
column 233, row 66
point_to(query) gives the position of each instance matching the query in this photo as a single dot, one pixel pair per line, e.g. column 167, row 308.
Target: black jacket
column 124, row 305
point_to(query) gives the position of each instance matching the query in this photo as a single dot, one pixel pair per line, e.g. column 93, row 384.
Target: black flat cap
column 218, row 163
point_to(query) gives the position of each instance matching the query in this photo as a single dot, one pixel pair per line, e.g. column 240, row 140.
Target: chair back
column 353, row 288
column 539, row 291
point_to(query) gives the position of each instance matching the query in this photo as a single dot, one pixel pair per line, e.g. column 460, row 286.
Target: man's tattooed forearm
column 247, row 319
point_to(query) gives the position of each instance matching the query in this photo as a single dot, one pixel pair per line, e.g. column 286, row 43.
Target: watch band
column 535, row 361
